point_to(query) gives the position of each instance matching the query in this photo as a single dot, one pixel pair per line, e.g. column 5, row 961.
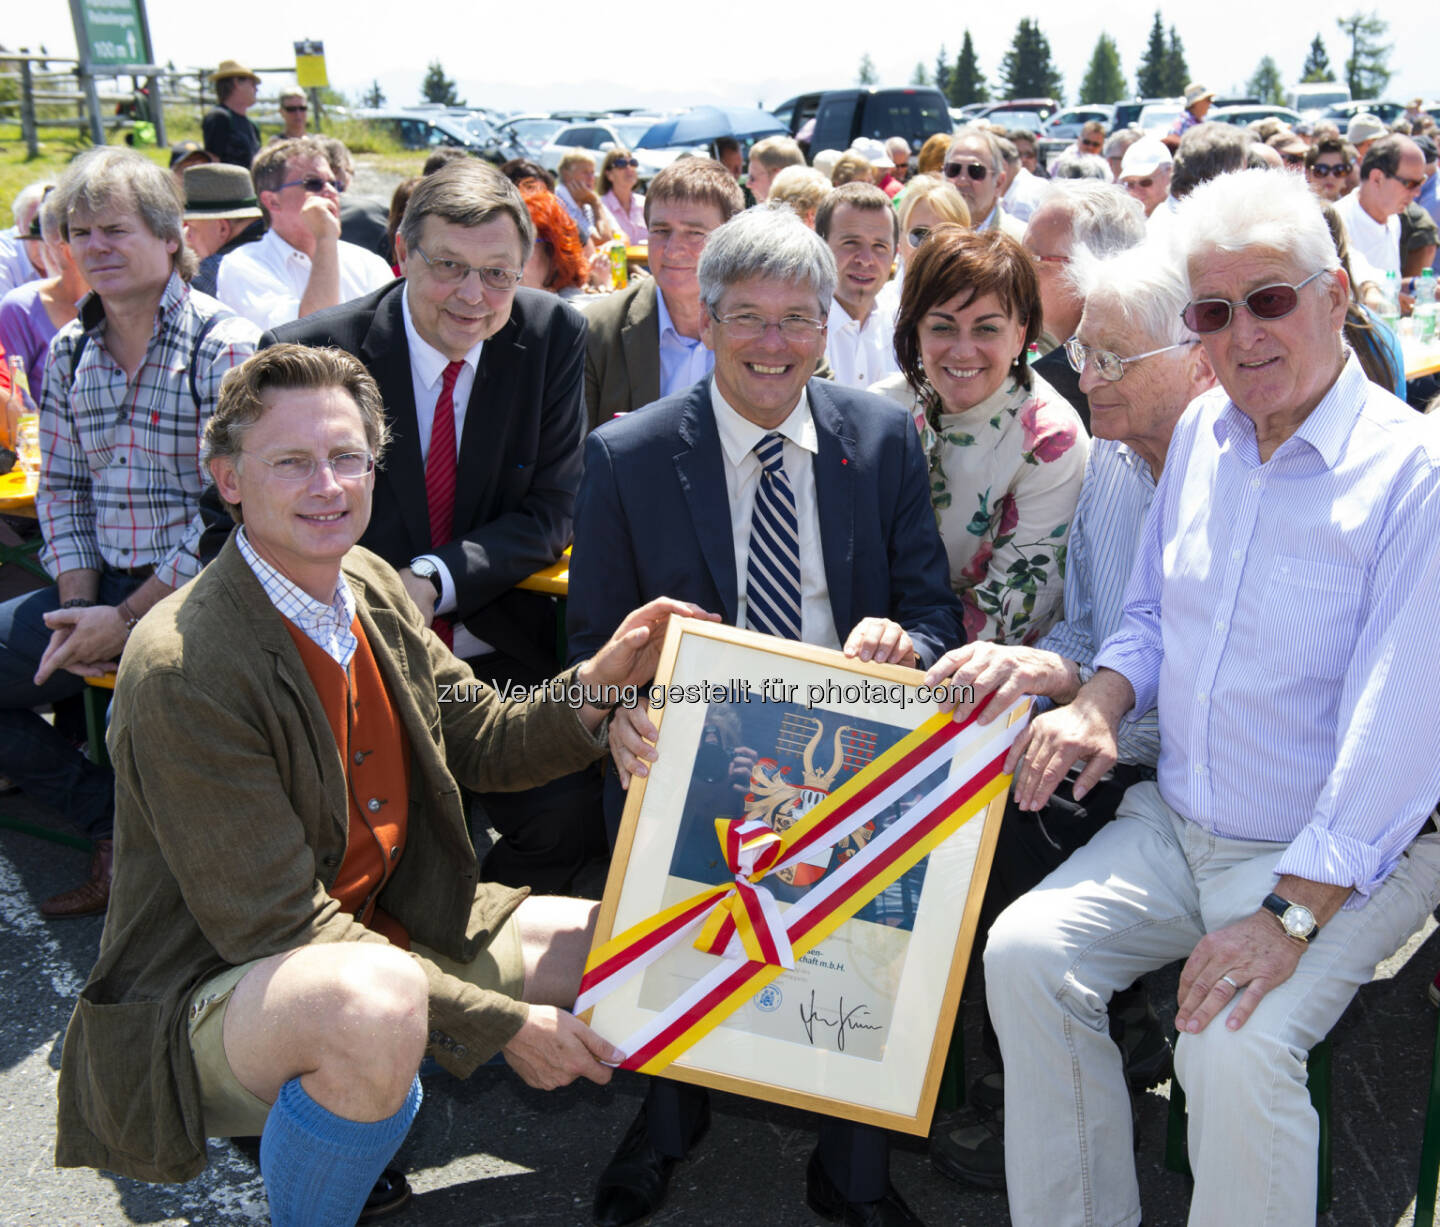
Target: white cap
column 1145, row 157
column 872, row 150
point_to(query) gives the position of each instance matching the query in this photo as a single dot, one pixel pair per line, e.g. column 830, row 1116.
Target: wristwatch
column 1296, row 919
column 426, row 569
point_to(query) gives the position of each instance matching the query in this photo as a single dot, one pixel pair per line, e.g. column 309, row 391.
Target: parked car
column 1127, row 113
column 1066, row 125
column 840, row 115
column 530, row 132
column 1343, row 112
column 430, row 129
column 1158, row 118
column 1312, row 98
column 601, row 135
column 1242, row 115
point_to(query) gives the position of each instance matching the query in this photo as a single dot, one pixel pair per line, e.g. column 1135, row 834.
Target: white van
column 1313, row 98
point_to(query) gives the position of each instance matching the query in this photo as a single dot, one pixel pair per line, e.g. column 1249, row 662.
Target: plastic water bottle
column 1390, row 299
column 1425, row 308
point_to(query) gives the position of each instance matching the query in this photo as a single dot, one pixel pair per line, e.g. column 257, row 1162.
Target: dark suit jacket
column 622, row 353
column 519, row 456
column 1054, row 368
column 653, row 519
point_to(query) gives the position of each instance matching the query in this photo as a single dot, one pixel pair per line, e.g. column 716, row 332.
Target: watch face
column 1299, row 921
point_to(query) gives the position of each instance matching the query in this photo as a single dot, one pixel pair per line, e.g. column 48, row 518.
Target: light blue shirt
column 1282, row 618
column 683, row 361
column 1104, row 539
column 1429, row 200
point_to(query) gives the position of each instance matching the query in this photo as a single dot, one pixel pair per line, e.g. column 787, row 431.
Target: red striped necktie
column 440, row 477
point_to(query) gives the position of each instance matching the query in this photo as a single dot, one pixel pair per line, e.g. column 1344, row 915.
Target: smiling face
column 455, row 318
column 1275, row 371
column 863, row 244
column 762, row 379
column 301, row 528
column 117, row 254
column 968, row 348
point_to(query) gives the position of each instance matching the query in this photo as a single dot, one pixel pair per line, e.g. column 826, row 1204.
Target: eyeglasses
column 302, row 468
column 976, row 170
column 623, row 163
column 746, row 326
column 1092, row 146
column 313, row 185
column 1269, row 302
column 916, row 235
column 1411, row 185
column 453, row 272
column 1323, row 170
column 1143, row 184
column 300, row 110
column 1111, row 366
column 1042, row 261
column 1293, row 159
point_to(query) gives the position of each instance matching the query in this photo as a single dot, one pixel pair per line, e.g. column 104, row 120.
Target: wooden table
column 1420, row 359
column 17, row 493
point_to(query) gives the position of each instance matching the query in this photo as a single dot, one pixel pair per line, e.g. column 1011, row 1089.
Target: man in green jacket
column 296, row 917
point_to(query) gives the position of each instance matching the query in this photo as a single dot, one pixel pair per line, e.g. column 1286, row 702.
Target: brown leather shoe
column 90, row 898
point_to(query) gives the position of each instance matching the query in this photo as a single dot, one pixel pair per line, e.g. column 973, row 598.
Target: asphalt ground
column 490, row 1150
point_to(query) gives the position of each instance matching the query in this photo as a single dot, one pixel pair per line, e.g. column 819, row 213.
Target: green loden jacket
column 231, row 816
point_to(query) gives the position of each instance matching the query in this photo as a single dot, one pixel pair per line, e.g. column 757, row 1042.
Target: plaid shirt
column 120, row 478
column 328, row 627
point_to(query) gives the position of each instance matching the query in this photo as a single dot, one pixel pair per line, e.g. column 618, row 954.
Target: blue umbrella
column 704, row 124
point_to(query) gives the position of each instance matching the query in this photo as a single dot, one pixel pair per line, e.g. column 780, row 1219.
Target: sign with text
column 111, row 33
column 310, row 64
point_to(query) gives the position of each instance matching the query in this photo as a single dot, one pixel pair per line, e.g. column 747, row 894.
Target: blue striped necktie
column 772, row 576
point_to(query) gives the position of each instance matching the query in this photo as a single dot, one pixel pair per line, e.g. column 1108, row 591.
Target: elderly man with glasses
column 976, row 169
column 1279, row 623
column 1139, row 366
column 302, row 265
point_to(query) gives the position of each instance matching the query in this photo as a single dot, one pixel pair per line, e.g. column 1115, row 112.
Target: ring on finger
column 1226, row 978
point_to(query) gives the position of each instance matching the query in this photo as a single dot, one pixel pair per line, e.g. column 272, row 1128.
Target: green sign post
column 114, row 36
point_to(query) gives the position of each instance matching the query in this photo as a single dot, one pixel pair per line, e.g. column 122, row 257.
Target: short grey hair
column 1205, row 151
column 1120, row 141
column 981, row 136
column 467, row 193
column 51, row 223
column 1145, row 287
column 112, row 177
column 29, row 195
column 1104, row 219
column 1274, row 210
column 766, row 243
column 775, row 153
column 1081, row 166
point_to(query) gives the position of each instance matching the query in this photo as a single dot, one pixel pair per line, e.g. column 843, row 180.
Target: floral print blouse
column 1004, row 480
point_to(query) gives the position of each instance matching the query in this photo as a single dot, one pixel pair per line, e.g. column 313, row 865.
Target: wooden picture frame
column 861, row 1027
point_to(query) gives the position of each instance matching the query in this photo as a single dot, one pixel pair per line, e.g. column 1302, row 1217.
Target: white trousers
column 1141, row 894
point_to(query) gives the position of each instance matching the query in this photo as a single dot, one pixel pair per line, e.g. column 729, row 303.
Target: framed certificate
column 765, row 730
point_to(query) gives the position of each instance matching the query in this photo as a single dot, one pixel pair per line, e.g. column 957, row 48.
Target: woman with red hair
column 558, row 262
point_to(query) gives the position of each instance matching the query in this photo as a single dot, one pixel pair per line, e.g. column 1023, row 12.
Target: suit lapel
column 700, row 467
column 640, row 337
column 835, row 466
column 385, row 352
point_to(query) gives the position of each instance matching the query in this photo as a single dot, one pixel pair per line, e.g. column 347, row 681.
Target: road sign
column 111, row 33
column 310, row 64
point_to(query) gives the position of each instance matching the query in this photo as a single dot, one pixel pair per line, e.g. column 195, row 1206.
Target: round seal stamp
column 768, row 999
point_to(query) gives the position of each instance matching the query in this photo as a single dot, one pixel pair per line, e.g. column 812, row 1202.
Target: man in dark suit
column 645, row 343
column 462, row 355
column 787, row 505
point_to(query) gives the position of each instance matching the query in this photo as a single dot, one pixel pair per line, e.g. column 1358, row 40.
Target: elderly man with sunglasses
column 1279, row 622
column 302, row 265
column 975, row 168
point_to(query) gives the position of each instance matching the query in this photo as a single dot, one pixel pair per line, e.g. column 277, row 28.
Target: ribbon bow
column 749, row 912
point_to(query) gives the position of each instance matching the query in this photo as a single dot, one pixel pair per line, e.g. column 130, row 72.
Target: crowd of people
column 1130, row 436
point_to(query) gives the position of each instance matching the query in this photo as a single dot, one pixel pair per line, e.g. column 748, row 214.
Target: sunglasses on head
column 976, row 170
column 621, row 163
column 1323, row 170
column 1269, row 302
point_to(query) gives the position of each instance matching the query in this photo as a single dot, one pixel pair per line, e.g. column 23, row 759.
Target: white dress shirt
column 738, row 437
column 427, row 375
column 861, row 354
column 265, row 281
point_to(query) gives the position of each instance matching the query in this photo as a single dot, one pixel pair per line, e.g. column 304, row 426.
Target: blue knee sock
column 319, row 1168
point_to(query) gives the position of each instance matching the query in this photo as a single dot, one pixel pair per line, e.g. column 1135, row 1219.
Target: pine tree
column 942, row 70
column 1104, row 82
column 967, row 84
column 1267, row 84
column 866, row 75
column 1317, row 63
column 1367, row 72
column 374, row 96
column 1177, row 72
column 921, row 75
column 437, row 87
column 1151, row 78
column 1027, row 71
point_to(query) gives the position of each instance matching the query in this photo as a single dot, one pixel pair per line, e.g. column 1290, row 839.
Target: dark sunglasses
column 976, row 170
column 314, row 186
column 1411, row 185
column 1269, row 302
column 296, row 110
column 1323, row 170
column 916, row 235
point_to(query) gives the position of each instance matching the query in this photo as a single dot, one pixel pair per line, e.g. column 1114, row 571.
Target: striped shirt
column 120, row 478
column 1104, row 539
column 1281, row 616
column 328, row 627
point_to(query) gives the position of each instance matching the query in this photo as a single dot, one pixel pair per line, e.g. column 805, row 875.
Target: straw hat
column 232, row 68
